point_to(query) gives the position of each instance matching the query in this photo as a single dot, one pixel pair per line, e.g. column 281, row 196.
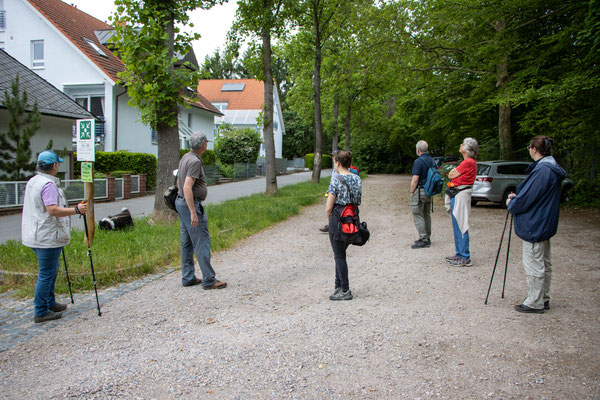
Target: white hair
column 471, row 147
column 422, row 146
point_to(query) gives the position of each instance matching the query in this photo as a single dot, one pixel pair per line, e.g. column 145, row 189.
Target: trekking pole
column 497, row 255
column 67, row 273
column 507, row 252
column 91, row 262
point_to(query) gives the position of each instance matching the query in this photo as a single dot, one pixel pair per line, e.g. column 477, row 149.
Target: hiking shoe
column 324, row 229
column 461, row 262
column 58, row 307
column 547, row 305
column 341, row 295
column 525, row 309
column 452, row 258
column 49, row 316
column 336, row 291
column 421, row 243
column 216, row 285
column 196, row 281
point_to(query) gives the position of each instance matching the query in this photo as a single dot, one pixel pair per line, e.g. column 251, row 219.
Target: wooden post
column 89, row 198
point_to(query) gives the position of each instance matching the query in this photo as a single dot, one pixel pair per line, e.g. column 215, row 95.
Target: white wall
column 132, row 134
column 60, row 130
column 63, row 62
column 201, row 121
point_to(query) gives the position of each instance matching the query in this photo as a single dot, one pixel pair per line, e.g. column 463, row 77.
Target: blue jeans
column 44, row 288
column 461, row 242
column 194, row 240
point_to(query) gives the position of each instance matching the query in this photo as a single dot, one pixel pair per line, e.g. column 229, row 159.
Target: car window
column 512, row 169
column 483, row 169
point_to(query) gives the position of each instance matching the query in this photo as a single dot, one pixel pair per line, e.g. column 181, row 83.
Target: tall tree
column 23, row 122
column 149, row 40
column 263, row 19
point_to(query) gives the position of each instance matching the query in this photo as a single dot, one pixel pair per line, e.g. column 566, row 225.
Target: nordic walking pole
column 91, row 262
column 67, row 273
column 497, row 255
column 507, row 253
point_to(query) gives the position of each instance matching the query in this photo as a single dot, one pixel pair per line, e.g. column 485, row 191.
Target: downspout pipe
column 117, row 119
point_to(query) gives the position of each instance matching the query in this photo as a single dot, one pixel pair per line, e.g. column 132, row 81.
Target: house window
column 37, row 54
column 220, row 106
column 94, row 104
column 2, row 18
column 189, row 121
column 154, row 136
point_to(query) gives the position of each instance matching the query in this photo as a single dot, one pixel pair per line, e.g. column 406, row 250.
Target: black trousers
column 341, row 267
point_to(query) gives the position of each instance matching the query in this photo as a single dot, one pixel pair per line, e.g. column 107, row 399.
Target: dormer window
column 95, row 47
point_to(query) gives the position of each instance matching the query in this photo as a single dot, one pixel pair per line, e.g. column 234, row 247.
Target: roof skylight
column 95, row 47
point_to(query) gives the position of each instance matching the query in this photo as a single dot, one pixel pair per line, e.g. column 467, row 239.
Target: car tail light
column 485, row 179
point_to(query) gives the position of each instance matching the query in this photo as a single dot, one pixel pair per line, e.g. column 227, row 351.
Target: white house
column 241, row 101
column 58, row 111
column 70, row 49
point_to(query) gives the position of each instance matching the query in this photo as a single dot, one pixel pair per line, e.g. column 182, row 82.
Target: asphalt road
column 10, row 225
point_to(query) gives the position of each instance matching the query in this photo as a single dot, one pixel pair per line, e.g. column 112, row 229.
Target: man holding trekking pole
column 46, row 228
column 194, row 222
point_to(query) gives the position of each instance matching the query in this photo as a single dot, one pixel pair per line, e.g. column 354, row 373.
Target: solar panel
column 233, row 87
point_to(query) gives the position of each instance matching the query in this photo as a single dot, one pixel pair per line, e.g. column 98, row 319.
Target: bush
column 139, row 163
column 227, row 170
column 309, row 160
column 237, row 145
column 208, row 157
column 119, row 174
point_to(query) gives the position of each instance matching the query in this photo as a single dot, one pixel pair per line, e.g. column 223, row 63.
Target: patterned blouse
column 337, row 188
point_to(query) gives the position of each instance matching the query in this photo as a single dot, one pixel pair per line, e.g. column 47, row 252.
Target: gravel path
column 416, row 328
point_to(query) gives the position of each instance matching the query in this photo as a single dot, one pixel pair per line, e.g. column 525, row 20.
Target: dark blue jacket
column 537, row 204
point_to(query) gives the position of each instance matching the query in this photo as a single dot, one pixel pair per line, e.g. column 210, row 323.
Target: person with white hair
column 420, row 203
column 458, row 201
column 195, row 238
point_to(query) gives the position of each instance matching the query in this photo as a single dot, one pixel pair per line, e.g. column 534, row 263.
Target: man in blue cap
column 46, row 228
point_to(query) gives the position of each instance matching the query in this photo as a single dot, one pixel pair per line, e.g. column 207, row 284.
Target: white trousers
column 538, row 271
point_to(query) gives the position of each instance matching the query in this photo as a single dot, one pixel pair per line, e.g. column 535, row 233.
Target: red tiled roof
column 251, row 98
column 76, row 25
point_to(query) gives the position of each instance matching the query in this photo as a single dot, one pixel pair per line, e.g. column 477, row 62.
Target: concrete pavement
column 10, row 225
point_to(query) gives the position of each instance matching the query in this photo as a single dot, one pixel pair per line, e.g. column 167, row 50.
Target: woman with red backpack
column 345, row 189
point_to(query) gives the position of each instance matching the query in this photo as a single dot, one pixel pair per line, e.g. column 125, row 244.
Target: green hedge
column 237, row 145
column 208, row 157
column 139, row 163
column 309, row 160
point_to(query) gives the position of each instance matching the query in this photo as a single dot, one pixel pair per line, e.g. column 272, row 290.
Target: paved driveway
column 10, row 225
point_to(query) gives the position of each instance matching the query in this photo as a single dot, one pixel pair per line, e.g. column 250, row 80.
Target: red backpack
column 354, row 231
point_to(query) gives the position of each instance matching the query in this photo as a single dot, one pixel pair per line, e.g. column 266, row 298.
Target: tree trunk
column 336, row 131
column 347, row 127
column 168, row 146
column 316, row 175
column 504, row 108
column 271, row 171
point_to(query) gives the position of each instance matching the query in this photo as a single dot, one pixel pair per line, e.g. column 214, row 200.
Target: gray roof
column 51, row 101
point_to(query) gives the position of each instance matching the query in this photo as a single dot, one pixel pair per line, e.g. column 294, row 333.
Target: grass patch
column 121, row 256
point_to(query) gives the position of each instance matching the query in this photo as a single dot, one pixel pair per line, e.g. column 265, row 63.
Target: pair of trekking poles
column 498, row 255
column 87, row 239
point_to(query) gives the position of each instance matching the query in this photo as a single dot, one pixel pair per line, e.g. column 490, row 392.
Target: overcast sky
column 212, row 24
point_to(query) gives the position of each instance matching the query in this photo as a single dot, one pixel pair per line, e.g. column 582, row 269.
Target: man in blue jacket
column 536, row 208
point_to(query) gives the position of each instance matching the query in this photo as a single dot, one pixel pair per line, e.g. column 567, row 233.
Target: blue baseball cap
column 48, row 157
